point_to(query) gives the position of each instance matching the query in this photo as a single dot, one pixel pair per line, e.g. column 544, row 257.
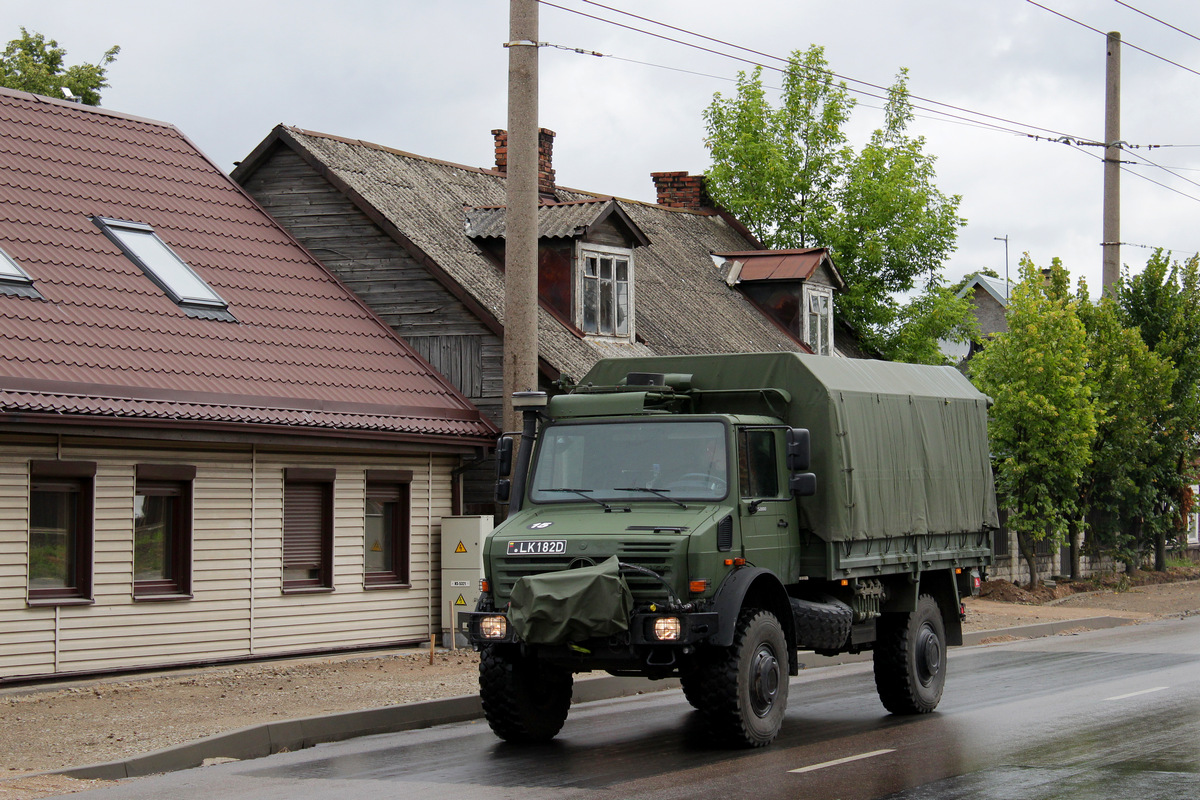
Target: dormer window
column 605, row 291
column 141, row 245
column 13, row 279
column 818, row 319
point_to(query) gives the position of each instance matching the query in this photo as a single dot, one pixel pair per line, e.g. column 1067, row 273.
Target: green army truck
column 708, row 517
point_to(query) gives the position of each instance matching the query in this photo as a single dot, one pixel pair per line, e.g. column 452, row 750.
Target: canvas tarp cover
column 898, row 449
column 571, row 605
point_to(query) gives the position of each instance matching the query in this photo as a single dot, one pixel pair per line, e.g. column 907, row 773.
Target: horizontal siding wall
column 238, row 608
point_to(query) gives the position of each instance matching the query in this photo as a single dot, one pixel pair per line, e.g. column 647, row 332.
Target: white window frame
column 820, row 336
column 599, row 251
column 143, row 247
column 13, row 279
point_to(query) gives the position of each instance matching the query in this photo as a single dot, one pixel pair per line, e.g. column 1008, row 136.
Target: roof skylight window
column 13, row 279
column 142, row 246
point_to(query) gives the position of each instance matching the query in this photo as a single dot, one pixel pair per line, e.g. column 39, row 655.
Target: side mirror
column 803, row 484
column 798, row 449
column 503, row 490
column 504, row 457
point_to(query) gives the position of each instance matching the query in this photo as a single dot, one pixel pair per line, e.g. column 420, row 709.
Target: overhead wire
column 1156, row 19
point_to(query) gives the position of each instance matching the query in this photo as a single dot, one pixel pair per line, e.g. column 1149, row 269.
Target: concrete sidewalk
column 257, row 741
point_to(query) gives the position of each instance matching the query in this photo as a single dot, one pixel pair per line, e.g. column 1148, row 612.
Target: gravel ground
column 61, row 725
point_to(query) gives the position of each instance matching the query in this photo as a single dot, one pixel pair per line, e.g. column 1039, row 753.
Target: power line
column 1102, row 33
column 1156, row 19
column 751, row 62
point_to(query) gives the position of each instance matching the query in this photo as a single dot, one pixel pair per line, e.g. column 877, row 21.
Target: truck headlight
column 493, row 627
column 666, row 629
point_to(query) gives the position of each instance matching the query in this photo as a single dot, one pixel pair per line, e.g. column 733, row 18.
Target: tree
column 790, row 174
column 1163, row 303
column 918, row 327
column 1132, row 386
column 33, row 64
column 1043, row 420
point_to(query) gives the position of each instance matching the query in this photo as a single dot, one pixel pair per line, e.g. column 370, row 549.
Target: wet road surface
column 1103, row 714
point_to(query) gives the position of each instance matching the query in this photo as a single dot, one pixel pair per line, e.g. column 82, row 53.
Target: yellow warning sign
column 460, row 601
column 377, row 547
column 460, row 548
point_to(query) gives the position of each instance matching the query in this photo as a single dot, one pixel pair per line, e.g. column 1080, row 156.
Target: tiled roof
column 105, row 341
column 682, row 303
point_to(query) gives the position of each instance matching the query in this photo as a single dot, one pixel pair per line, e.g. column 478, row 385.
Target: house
column 210, row 448
column 422, row 242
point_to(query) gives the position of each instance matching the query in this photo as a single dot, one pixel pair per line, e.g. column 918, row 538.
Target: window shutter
column 303, row 524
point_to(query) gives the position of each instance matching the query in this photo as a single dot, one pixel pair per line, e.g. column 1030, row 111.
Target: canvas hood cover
column 571, row 605
column 898, row 449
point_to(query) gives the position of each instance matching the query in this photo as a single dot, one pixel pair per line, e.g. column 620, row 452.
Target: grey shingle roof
column 682, row 304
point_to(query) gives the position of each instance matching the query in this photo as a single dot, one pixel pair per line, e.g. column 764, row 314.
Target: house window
column 386, row 540
column 162, row 531
column 308, row 529
column 141, row 245
column 606, row 291
column 61, row 503
column 818, row 319
column 14, row 280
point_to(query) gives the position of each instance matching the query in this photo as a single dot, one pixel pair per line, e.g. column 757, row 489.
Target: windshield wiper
column 660, row 492
column 584, row 494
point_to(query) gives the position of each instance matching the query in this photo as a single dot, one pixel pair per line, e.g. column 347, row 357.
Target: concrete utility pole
column 1111, row 245
column 520, row 255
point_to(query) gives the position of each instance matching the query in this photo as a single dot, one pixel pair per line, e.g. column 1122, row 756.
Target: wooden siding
column 237, row 608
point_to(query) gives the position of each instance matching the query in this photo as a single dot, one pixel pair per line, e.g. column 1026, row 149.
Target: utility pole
column 1111, row 244
column 520, row 254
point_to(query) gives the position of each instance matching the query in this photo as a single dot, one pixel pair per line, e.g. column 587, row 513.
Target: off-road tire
column 910, row 658
column 742, row 690
column 524, row 700
column 822, row 625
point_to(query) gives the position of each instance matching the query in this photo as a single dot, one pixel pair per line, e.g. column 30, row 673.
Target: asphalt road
column 1102, row 714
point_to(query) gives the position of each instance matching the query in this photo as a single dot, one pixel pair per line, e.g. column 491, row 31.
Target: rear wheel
column 742, row 691
column 524, row 700
column 910, row 659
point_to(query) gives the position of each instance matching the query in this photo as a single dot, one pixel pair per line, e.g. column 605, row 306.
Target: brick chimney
column 680, row 190
column 545, row 157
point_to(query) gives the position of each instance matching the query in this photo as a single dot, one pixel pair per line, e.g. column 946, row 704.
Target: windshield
column 631, row 461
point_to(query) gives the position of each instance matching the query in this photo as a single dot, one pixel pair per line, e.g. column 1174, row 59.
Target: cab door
column 764, row 505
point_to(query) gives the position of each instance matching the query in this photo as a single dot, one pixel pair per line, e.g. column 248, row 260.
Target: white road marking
column 846, row 760
column 1135, row 694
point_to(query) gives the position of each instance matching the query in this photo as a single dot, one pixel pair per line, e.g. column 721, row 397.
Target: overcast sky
column 430, row 77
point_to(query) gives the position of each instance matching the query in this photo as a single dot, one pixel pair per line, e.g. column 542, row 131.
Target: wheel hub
column 929, row 655
column 764, row 681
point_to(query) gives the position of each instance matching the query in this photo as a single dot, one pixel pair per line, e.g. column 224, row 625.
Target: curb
column 256, row 741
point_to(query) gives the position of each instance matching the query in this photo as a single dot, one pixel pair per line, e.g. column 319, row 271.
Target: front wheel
column 743, row 691
column 910, row 659
column 524, row 700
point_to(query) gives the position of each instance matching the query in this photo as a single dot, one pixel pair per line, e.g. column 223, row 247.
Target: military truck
column 709, row 517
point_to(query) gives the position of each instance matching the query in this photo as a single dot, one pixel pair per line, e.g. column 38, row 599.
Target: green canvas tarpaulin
column 898, row 449
column 572, row 605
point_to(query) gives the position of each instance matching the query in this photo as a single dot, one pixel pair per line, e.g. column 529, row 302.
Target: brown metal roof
column 105, row 341
column 766, row 265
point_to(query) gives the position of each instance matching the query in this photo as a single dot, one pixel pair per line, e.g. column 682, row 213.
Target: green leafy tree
column 1163, row 303
column 32, row 63
column 1043, row 421
column 790, row 173
column 1132, row 386
column 918, row 327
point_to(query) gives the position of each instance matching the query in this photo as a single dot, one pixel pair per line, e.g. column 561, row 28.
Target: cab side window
column 758, row 473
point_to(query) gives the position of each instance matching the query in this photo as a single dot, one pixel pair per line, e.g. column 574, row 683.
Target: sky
column 431, row 78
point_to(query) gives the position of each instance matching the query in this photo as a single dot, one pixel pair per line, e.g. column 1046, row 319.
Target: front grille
column 666, row 558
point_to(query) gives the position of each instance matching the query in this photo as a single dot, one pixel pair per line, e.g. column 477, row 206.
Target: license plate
column 538, row 547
